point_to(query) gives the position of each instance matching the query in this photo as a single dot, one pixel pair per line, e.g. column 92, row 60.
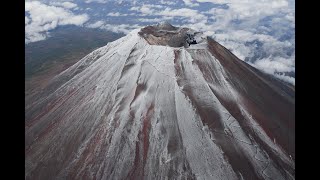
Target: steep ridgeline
column 149, row 106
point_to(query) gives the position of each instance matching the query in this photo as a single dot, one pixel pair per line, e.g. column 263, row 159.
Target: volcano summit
column 152, row 106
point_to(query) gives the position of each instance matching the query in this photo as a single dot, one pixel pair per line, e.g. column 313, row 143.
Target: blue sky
column 261, row 32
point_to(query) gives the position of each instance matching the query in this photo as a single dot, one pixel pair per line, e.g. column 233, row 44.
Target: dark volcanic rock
column 165, row 35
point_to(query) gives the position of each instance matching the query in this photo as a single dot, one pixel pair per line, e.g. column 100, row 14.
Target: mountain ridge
column 134, row 110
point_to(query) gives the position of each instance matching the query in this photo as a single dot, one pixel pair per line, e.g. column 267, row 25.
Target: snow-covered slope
column 137, row 110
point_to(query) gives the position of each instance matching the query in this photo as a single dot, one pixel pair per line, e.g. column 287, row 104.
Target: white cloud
column 120, row 28
column 67, row 5
column 249, row 8
column 96, row 24
column 26, row 20
column 113, row 14
column 152, row 20
column 190, row 15
column 153, row 6
column 191, row 3
column 134, row 8
column 288, row 79
column 166, row 2
column 117, row 28
column 97, row 1
column 277, row 66
column 271, row 3
column 146, row 9
column 44, row 18
column 273, row 65
column 290, row 16
column 116, row 14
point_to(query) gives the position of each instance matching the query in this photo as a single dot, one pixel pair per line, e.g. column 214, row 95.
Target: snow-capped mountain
column 152, row 106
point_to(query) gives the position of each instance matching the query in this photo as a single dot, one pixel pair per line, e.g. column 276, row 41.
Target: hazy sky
column 261, row 32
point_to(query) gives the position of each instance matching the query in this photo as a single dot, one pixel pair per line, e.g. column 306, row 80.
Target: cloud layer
column 41, row 18
column 117, row 28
